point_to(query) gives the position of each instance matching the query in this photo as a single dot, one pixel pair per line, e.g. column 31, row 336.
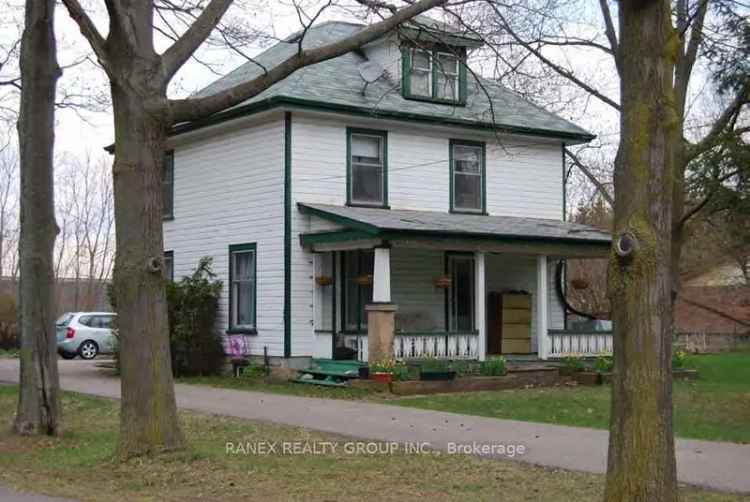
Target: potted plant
column 363, row 280
column 579, row 283
column 324, row 280
column 382, row 371
column 443, row 282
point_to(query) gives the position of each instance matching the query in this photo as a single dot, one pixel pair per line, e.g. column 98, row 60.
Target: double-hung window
column 167, row 186
column 367, row 168
column 242, row 287
column 421, row 73
column 446, row 77
column 168, row 271
column 467, row 173
column 434, row 75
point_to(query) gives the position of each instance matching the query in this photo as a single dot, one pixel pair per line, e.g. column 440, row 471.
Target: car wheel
column 88, row 349
column 67, row 355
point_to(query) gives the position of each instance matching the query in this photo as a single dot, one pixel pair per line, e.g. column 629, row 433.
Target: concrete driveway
column 715, row 465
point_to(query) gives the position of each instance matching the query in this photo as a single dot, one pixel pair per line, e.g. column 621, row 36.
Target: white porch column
column 381, row 280
column 480, row 301
column 542, row 300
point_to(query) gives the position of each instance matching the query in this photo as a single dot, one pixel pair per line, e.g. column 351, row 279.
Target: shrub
column 9, row 329
column 679, row 359
column 493, row 366
column 193, row 307
column 604, row 364
column 573, row 363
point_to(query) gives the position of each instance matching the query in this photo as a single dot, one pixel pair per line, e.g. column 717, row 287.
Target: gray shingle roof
column 337, row 82
column 375, row 221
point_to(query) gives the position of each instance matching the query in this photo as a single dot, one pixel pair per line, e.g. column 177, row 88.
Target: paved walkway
column 7, row 495
column 716, row 465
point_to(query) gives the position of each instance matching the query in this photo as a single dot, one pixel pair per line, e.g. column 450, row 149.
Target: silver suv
column 86, row 334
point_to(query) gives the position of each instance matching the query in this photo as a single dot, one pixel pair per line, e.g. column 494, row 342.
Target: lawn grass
column 81, row 464
column 714, row 407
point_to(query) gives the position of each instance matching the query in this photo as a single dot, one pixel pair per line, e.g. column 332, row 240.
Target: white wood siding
column 524, row 178
column 229, row 189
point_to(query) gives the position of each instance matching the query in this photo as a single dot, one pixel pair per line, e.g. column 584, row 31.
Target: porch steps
column 330, row 372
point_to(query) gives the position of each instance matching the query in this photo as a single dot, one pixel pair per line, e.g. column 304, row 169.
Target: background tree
column 139, row 77
column 39, row 409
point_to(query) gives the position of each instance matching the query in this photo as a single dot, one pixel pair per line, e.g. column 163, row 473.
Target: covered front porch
column 474, row 287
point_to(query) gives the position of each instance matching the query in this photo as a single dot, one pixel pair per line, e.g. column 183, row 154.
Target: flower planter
column 437, row 375
column 324, row 280
column 363, row 280
column 383, row 377
column 587, row 378
column 565, row 371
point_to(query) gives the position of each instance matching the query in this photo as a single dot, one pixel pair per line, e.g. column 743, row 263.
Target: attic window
column 434, row 75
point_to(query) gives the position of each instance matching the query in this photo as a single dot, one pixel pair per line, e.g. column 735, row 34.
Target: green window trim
column 168, row 272
column 483, row 169
column 447, row 257
column 406, row 68
column 231, row 327
column 167, row 179
column 384, row 138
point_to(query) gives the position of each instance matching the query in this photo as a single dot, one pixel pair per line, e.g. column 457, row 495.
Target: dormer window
column 434, row 75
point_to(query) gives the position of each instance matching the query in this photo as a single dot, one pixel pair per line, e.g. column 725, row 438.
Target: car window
column 87, row 320
column 106, row 321
column 64, row 319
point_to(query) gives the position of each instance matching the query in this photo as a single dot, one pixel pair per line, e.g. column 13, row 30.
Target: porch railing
column 426, row 345
column 585, row 343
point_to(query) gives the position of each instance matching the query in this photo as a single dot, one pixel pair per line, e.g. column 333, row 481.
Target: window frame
column 483, row 172
column 383, row 136
column 449, row 256
column 231, row 327
column 168, row 166
column 355, row 256
column 169, row 256
column 407, row 52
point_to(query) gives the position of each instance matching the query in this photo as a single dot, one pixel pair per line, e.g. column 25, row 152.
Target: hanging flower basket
column 579, row 283
column 443, row 282
column 363, row 280
column 324, row 280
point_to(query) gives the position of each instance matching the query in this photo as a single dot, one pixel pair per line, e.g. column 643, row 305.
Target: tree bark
column 148, row 421
column 641, row 462
column 39, row 410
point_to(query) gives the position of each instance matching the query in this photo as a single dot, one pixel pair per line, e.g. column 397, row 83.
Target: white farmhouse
column 390, row 185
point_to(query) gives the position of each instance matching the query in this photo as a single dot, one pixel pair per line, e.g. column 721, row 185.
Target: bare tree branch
column 179, row 52
column 585, row 170
column 88, row 29
column 610, row 31
column 195, row 108
column 555, row 67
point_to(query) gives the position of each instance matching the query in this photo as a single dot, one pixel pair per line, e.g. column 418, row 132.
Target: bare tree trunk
column 39, row 409
column 148, row 413
column 641, row 462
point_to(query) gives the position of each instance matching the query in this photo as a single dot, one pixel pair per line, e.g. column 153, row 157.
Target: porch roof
column 362, row 223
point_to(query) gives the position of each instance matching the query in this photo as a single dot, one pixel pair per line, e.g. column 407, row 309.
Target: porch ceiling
column 409, row 228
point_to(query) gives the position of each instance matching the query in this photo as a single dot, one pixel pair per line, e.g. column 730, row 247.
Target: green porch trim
column 288, row 234
column 341, row 220
column 369, row 112
column 481, row 144
column 231, row 328
column 307, row 240
column 370, row 132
